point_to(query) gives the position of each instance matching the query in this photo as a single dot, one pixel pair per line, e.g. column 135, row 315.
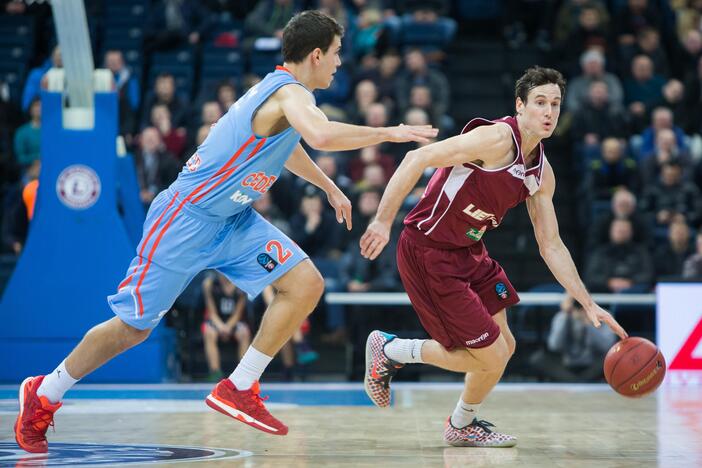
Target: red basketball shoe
column 244, row 405
column 35, row 416
column 380, row 369
column 476, row 434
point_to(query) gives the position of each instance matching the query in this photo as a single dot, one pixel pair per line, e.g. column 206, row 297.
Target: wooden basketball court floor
column 334, row 425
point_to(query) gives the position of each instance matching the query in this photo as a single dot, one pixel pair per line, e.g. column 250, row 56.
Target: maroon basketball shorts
column 455, row 292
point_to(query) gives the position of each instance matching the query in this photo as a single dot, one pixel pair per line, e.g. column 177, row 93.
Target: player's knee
column 311, row 284
column 130, row 336
column 495, row 356
column 511, row 344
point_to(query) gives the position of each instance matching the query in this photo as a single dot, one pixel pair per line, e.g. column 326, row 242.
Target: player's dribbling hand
column 374, row 239
column 418, row 133
column 341, row 205
column 596, row 314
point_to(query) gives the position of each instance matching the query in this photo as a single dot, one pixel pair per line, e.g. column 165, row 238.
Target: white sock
column 405, row 351
column 249, row 369
column 56, row 384
column 464, row 414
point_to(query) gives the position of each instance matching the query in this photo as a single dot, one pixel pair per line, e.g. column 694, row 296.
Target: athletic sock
column 464, row 414
column 249, row 369
column 405, row 351
column 56, row 384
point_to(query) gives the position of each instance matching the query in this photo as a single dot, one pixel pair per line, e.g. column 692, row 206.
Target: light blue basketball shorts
column 180, row 240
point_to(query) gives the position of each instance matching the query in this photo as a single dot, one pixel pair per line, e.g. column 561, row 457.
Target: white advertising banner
column 679, row 331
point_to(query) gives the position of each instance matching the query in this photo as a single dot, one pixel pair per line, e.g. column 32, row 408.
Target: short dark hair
column 307, row 31
column 537, row 76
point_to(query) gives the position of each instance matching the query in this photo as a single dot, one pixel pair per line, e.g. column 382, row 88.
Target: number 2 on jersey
column 282, row 254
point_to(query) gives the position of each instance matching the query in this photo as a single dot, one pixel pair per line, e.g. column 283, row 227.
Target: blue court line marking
column 312, row 397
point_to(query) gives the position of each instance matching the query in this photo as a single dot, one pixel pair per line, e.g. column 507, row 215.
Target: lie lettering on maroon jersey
column 462, row 202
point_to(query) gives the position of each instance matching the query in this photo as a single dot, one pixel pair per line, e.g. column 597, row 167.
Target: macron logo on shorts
column 478, row 339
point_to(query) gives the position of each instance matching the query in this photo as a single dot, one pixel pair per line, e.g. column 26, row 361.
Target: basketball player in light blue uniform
column 205, row 220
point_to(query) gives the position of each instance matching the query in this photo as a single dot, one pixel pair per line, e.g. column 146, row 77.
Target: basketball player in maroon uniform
column 459, row 293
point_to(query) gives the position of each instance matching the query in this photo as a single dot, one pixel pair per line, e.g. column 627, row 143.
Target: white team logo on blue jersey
column 239, row 197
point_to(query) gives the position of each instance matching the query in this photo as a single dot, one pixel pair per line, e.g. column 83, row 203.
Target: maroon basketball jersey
column 461, row 202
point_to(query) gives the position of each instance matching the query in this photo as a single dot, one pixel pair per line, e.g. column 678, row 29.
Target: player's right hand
column 597, row 314
column 374, row 239
column 418, row 133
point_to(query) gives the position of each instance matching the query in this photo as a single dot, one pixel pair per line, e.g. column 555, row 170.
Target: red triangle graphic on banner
column 684, row 360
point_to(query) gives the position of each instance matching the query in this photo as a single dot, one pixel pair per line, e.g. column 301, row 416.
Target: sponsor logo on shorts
column 258, row 181
column 239, row 197
column 475, row 233
column 482, row 337
column 267, row 262
column 193, row 163
column 501, row 290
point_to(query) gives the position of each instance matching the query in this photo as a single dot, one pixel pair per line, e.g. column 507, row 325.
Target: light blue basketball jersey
column 234, row 166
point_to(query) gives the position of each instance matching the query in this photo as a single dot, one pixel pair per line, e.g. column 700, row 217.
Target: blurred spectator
column 173, row 138
column 366, row 208
column 224, row 320
column 376, row 115
column 644, row 89
column 620, row 265
column 567, row 18
column 666, row 150
column 634, row 17
column 592, row 63
column 672, row 198
column 688, row 53
column 692, row 268
column 575, row 347
column 226, row 96
column 165, row 93
column 689, row 17
column 314, row 228
column 373, row 178
column 127, row 84
column 211, row 112
column 693, row 99
column 669, row 258
column 33, row 83
column 327, row 162
column 371, row 155
column 28, row 137
column 362, row 275
column 590, row 33
column 370, row 34
column 598, row 118
column 613, row 171
column 623, row 206
column 366, row 93
column 528, row 20
column 418, row 73
column 156, row 168
column 268, row 19
column 175, row 23
column 673, row 94
column 19, row 202
column 661, row 118
column 648, row 43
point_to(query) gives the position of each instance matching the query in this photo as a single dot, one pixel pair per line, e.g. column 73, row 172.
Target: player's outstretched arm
column 556, row 254
column 321, row 134
column 486, row 143
column 300, row 164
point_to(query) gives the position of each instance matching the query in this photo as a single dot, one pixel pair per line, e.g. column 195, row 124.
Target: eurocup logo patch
column 267, row 262
column 501, row 291
column 110, row 455
column 78, row 187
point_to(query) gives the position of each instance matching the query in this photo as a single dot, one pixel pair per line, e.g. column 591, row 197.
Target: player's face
column 329, row 62
column 542, row 109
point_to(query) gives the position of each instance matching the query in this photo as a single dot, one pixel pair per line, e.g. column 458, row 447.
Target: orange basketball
column 634, row 367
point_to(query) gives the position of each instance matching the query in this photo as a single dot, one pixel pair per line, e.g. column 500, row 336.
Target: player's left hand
column 374, row 239
column 341, row 205
column 596, row 314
